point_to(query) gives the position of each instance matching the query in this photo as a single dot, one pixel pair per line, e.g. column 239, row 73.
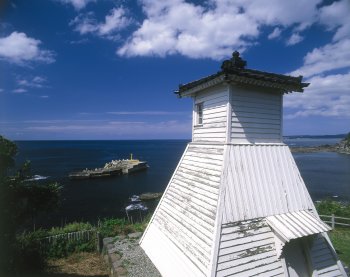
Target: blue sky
column 105, row 69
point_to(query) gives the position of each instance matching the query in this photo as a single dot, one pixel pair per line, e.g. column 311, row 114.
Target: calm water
column 325, row 174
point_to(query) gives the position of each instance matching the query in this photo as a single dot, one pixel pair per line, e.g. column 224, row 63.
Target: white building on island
column 236, row 204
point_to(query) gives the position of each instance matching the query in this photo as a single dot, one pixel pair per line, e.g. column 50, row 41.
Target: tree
column 19, row 200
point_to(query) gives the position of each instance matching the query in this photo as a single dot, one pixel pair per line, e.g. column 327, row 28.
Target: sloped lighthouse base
column 236, row 204
column 200, row 227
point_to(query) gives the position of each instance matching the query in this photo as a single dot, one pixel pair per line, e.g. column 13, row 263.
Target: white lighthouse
column 236, row 204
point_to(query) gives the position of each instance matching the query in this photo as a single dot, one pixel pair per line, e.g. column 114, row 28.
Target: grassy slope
column 341, row 241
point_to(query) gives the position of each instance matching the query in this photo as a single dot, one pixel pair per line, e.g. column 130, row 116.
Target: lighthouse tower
column 236, row 204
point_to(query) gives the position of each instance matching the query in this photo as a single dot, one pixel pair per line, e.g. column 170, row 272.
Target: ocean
column 326, row 174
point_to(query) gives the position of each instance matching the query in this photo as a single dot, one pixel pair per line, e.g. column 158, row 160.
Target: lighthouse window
column 199, row 110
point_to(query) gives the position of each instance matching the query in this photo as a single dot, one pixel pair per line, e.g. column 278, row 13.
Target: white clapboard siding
column 323, row 260
column 262, row 180
column 214, row 127
column 247, row 248
column 212, row 93
column 256, row 116
column 187, row 211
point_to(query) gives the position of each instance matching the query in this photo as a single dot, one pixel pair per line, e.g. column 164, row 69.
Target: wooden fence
column 84, row 235
column 333, row 220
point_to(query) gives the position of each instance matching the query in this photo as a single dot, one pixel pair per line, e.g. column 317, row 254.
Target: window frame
column 199, row 114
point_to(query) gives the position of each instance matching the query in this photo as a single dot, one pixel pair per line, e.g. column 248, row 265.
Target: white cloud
column 326, row 96
column 77, row 4
column 329, row 57
column 19, row 48
column 283, row 12
column 2, row 90
column 336, row 17
column 294, row 39
column 19, row 90
column 145, row 113
column 35, row 82
column 213, row 30
column 109, row 129
column 275, row 34
column 114, row 22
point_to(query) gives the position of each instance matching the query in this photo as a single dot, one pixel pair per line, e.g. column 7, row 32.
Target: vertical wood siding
column 247, row 248
column 187, row 211
column 214, row 116
column 256, row 116
column 262, row 180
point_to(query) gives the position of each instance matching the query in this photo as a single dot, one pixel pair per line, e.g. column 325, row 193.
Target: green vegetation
column 347, row 140
column 36, row 248
column 20, row 202
column 340, row 237
column 111, row 227
column 71, row 227
column 329, row 207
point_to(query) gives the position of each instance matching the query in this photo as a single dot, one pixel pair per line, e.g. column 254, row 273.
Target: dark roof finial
column 236, row 62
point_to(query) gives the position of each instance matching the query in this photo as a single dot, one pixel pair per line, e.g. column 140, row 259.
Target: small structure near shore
column 236, row 204
column 113, row 168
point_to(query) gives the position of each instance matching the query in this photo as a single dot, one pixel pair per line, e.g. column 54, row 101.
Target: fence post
column 99, row 242
column 333, row 221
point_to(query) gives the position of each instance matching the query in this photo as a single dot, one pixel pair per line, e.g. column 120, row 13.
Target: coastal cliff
column 344, row 145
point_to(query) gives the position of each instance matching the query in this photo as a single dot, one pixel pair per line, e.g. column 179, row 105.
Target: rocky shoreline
column 342, row 147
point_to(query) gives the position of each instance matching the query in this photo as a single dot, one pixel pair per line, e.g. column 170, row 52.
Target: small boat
column 135, row 198
column 136, row 207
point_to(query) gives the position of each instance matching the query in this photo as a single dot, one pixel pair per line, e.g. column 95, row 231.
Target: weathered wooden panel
column 256, row 116
column 205, row 190
column 197, row 157
column 201, row 169
column 247, row 248
column 169, row 259
column 187, row 211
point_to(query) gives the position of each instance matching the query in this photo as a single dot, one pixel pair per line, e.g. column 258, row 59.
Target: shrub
column 61, row 247
column 110, row 227
column 30, row 253
column 71, row 227
column 328, row 207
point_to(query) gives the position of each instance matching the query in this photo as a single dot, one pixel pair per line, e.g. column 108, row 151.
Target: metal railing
column 336, row 220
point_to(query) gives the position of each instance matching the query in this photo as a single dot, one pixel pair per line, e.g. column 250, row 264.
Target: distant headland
column 342, row 147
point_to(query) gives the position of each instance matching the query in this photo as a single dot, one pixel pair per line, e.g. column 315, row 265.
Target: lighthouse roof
column 234, row 71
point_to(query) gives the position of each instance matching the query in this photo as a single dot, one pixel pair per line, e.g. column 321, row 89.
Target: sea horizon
column 325, row 173
column 335, row 136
